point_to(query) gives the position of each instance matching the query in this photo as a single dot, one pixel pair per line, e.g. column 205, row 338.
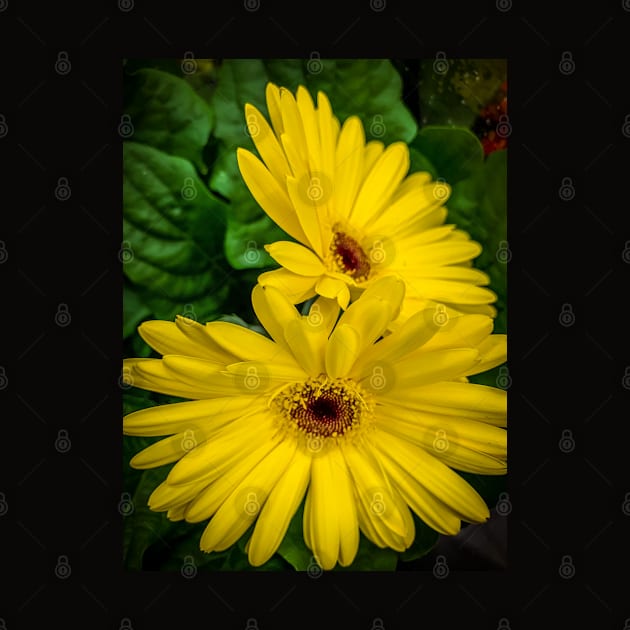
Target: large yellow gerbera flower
column 354, row 211
column 366, row 426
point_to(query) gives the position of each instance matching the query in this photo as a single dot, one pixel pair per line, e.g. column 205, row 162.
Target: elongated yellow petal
column 211, row 459
column 296, row 258
column 292, row 122
column 173, row 418
column 295, row 287
column 307, row 344
column 380, row 183
column 308, row 197
column 438, row 478
column 274, row 311
column 272, row 95
column 245, row 344
column 266, row 143
column 493, row 352
column 152, row 374
column 342, row 351
column 423, row 369
column 373, row 151
column 282, row 503
column 184, row 336
column 413, row 334
column 348, row 165
column 166, row 496
column 307, row 113
column 242, row 507
column 430, row 509
column 169, row 449
column 373, row 488
column 342, row 496
column 327, row 133
column 269, row 194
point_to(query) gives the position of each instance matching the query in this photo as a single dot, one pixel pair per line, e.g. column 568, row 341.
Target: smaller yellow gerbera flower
column 365, row 427
column 354, row 212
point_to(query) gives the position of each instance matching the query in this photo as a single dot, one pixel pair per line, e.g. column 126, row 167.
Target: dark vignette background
column 571, row 253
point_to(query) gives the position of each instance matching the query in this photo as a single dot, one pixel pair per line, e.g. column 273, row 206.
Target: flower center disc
column 349, row 257
column 322, row 407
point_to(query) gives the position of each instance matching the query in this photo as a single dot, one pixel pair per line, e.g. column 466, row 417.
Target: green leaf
column 143, row 527
column 174, row 226
column 368, row 88
column 419, row 162
column 455, row 152
column 134, row 310
column 371, row 558
column 426, row 538
column 167, row 113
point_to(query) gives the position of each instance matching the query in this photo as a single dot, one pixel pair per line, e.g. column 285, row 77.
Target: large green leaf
column 168, row 114
column 174, row 226
column 454, row 152
column 134, row 310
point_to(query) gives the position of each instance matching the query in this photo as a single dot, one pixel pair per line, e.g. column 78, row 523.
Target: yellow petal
column 344, row 502
column 166, row 496
column 457, row 331
column 184, row 336
column 410, row 336
column 281, row 505
column 309, row 206
column 380, row 183
column 373, row 150
column 334, row 288
column 423, row 369
column 169, row 449
column 295, row 287
column 272, row 96
column 212, row 458
column 342, row 351
column 244, row 343
column 493, row 352
column 296, row 258
column 266, row 143
column 292, row 122
column 439, row 479
column 373, row 488
column 431, row 510
column 151, row 374
column 348, row 165
column 173, row 418
column 274, row 311
column 327, row 133
column 307, row 344
column 307, row 113
column 269, row 194
column 242, row 507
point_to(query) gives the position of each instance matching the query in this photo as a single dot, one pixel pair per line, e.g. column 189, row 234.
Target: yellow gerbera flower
column 366, row 426
column 356, row 214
